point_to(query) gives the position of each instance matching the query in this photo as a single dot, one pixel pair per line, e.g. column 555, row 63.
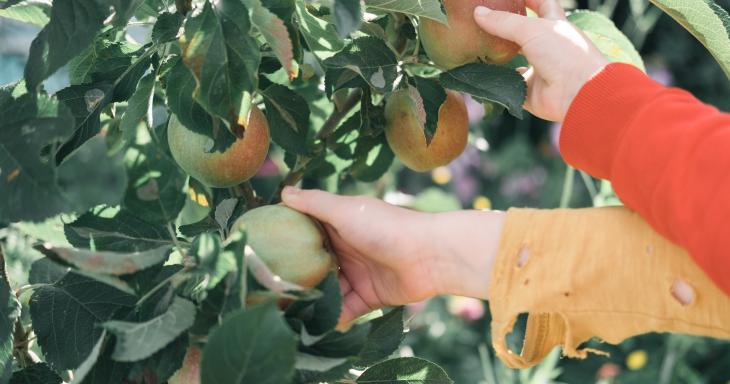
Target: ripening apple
column 238, row 163
column 405, row 119
column 291, row 244
column 463, row 41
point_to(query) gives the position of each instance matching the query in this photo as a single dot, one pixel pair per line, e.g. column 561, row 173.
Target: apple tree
column 179, row 118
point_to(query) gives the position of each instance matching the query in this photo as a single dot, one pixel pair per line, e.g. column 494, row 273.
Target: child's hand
column 391, row 256
column 562, row 57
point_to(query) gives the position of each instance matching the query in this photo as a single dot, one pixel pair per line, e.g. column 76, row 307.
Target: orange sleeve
column 667, row 155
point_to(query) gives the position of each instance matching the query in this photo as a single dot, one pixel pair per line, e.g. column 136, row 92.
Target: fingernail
column 481, row 11
column 290, row 191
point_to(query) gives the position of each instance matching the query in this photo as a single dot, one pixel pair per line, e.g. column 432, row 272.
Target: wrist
column 466, row 247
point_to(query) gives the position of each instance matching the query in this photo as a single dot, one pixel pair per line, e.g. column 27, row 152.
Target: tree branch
column 300, row 168
column 21, row 342
column 338, row 114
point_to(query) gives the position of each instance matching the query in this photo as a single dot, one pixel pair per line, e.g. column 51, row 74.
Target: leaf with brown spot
column 107, row 262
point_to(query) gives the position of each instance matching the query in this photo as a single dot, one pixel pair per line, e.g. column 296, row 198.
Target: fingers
column 353, row 307
column 322, row 205
column 517, row 28
column 547, row 9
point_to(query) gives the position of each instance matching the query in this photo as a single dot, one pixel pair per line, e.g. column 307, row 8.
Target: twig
column 292, row 177
column 20, row 336
column 338, row 114
column 252, row 201
column 300, row 167
column 173, row 236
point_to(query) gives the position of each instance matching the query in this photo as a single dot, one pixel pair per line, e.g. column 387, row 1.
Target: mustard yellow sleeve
column 597, row 272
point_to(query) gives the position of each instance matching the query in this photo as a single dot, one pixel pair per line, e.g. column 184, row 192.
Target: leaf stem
column 173, row 237
column 252, row 201
column 590, row 186
column 567, row 186
column 29, row 287
column 160, row 285
column 149, row 52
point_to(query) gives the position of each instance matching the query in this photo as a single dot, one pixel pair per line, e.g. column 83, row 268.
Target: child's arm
column 579, row 273
column 667, row 154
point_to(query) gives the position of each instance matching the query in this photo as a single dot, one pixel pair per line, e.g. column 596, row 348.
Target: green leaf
column 85, row 102
column 180, row 85
column 348, row 16
column 88, row 364
column 30, row 125
column 321, row 315
column 155, row 190
column 108, row 262
column 137, row 341
column 288, row 116
column 159, row 367
column 283, row 9
column 317, row 369
column 139, row 108
column 609, row 39
column 167, row 27
column 105, row 370
column 114, row 229
column 35, row 12
column 706, row 21
column 206, row 224
column 487, row 82
column 405, row 370
column 106, row 61
column 67, row 334
column 275, row 33
column 251, row 346
column 321, row 36
column 340, row 344
column 72, row 27
column 9, row 313
column 91, row 176
column 46, row 271
column 424, row 8
column 385, row 336
column 38, row 373
column 374, row 158
column 371, row 59
column 432, row 95
column 125, row 10
column 222, row 56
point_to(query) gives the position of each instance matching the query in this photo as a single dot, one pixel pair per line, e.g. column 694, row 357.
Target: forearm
column 600, row 272
column 667, row 155
column 466, row 244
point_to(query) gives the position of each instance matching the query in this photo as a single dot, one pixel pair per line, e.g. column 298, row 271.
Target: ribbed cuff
column 599, row 115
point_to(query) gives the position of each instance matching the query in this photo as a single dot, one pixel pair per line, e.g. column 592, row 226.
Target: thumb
column 511, row 26
column 324, row 206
